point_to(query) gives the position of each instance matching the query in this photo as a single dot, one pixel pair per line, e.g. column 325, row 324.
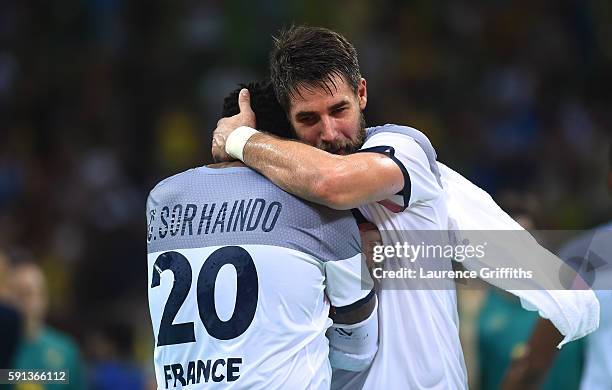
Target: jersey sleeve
column 347, row 281
column 420, row 183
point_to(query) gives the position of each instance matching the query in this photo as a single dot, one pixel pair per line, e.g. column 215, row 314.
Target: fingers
column 219, row 155
column 216, row 151
column 244, row 101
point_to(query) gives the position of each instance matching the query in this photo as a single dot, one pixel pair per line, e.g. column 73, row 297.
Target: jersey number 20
column 246, row 295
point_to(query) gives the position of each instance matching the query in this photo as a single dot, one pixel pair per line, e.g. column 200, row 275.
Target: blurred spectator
column 505, row 327
column 10, row 319
column 112, row 366
column 42, row 347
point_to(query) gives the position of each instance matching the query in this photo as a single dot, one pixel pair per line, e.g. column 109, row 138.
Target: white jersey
column 597, row 371
column 595, row 246
column 419, row 345
column 241, row 276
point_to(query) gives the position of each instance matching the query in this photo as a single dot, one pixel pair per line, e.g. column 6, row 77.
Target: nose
column 328, row 130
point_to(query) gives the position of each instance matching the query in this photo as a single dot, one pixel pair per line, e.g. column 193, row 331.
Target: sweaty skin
column 324, row 118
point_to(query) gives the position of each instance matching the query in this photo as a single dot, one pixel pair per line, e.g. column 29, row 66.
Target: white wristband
column 234, row 145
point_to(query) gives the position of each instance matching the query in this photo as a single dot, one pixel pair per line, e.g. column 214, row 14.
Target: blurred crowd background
column 100, row 99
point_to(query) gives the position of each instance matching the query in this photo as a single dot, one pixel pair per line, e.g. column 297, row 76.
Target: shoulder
column 194, row 178
column 403, row 137
column 412, row 151
column 171, row 181
column 398, row 130
column 406, row 142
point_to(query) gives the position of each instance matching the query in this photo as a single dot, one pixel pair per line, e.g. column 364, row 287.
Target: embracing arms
column 339, row 182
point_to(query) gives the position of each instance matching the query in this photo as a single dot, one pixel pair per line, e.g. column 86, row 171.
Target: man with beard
column 394, row 180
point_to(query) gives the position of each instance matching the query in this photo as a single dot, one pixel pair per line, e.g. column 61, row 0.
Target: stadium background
column 100, row 99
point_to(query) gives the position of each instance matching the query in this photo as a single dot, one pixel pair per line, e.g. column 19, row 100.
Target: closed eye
column 307, row 119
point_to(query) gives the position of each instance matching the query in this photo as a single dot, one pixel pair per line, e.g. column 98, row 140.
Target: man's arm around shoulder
column 339, row 182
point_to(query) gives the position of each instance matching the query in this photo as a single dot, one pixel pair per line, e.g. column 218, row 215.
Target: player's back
column 237, row 277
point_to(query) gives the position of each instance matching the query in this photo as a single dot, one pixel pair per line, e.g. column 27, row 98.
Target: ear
column 362, row 93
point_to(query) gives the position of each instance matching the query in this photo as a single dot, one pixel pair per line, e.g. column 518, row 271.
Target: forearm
column 340, row 182
column 295, row 167
column 542, row 349
column 531, row 364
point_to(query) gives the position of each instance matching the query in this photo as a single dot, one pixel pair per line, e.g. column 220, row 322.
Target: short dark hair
column 270, row 115
column 310, row 57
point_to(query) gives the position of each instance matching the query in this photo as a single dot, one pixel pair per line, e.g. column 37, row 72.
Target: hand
column 225, row 126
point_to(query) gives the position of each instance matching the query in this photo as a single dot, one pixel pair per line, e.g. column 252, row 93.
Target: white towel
column 475, row 216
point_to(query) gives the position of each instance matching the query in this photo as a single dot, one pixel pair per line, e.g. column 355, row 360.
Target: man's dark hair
column 310, row 57
column 270, row 115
